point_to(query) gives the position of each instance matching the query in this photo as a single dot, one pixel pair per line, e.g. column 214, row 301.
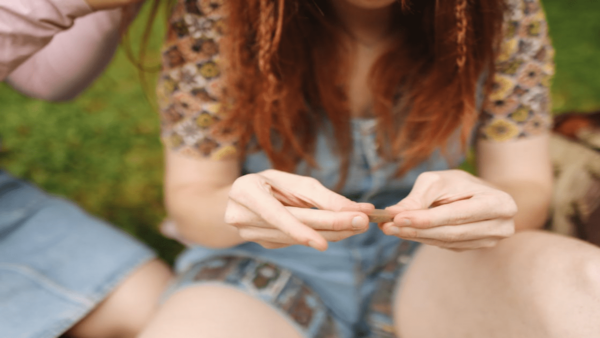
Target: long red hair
column 286, row 67
column 286, row 70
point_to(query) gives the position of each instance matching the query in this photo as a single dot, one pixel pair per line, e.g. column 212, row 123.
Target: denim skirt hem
column 57, row 263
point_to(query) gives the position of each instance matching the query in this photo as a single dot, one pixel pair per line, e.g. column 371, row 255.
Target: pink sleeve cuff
column 26, row 26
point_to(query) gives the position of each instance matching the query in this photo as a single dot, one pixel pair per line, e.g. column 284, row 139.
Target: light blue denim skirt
column 56, row 262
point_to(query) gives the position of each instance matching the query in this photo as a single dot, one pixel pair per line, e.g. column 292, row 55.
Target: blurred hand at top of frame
column 110, row 4
column 455, row 210
column 276, row 209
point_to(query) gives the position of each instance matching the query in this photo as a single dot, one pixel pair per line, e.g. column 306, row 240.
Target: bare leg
column 535, row 284
column 216, row 311
column 129, row 307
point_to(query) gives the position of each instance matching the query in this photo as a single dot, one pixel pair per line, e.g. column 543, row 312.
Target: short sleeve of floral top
column 519, row 105
column 189, row 89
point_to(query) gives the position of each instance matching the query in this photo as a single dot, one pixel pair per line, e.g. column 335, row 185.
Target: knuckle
column 312, row 183
column 238, row 186
column 454, row 237
column 506, row 204
column 463, row 174
column 429, row 177
column 489, row 244
column 408, row 233
column 247, row 234
column 244, row 178
column 232, row 217
column 269, row 172
column 338, row 224
column 410, row 203
column 460, row 218
column 506, row 231
column 512, row 208
column 421, row 222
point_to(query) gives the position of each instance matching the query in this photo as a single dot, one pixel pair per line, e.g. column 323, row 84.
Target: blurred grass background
column 102, row 150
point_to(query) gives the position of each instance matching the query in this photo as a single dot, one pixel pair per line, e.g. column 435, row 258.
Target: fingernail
column 393, row 230
column 358, row 222
column 367, row 206
column 313, row 245
column 405, row 222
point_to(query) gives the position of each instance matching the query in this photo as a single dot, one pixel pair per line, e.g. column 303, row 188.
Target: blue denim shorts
column 56, row 262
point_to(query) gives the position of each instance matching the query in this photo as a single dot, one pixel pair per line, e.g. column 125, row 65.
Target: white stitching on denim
column 49, row 284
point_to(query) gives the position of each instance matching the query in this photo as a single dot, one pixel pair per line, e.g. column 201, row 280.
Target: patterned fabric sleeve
column 519, row 104
column 189, row 89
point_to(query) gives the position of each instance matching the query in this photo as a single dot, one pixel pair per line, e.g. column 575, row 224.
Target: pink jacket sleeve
column 26, row 26
column 72, row 60
column 53, row 49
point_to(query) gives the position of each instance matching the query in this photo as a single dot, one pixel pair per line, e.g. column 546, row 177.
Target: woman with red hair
column 286, row 122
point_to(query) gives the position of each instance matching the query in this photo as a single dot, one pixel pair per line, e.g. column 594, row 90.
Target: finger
column 423, row 193
column 464, row 245
column 479, row 208
column 262, row 203
column 305, row 191
column 496, row 229
column 271, row 245
column 315, row 219
column 330, row 220
column 266, row 235
column 336, row 236
column 274, row 237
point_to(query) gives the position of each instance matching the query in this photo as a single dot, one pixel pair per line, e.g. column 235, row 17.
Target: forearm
column 199, row 214
column 522, row 169
column 533, row 202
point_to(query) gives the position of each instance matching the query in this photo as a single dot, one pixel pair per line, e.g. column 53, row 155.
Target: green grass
column 575, row 31
column 102, row 150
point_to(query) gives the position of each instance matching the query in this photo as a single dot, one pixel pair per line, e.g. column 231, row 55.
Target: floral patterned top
column 189, row 88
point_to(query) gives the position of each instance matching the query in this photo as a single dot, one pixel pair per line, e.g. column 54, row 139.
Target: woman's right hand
column 274, row 209
column 98, row 5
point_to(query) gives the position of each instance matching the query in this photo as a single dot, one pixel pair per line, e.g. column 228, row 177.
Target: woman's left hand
column 454, row 210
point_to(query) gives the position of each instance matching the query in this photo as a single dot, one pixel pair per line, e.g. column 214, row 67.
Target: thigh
column 217, row 311
column 240, row 297
column 534, row 284
column 129, row 307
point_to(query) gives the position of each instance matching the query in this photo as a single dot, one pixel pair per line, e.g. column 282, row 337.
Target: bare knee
column 547, row 258
column 217, row 311
column 560, row 276
column 129, row 308
column 556, row 279
column 534, row 284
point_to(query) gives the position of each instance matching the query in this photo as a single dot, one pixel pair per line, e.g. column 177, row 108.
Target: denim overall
column 344, row 277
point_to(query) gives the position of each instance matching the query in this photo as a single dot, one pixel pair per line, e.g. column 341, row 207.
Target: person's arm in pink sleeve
column 72, row 61
column 26, row 26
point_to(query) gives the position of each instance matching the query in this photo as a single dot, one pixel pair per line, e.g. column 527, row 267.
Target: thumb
column 422, row 195
column 409, row 203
